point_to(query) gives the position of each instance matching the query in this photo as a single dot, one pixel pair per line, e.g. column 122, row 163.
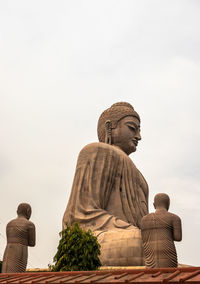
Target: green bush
column 77, row 250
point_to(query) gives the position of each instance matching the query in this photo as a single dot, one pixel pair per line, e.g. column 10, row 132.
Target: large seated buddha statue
column 109, row 195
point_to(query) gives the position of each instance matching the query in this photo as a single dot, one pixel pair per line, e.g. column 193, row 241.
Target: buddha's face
column 127, row 134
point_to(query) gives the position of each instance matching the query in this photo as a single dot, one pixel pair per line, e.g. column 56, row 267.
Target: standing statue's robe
column 20, row 234
column 109, row 196
column 159, row 231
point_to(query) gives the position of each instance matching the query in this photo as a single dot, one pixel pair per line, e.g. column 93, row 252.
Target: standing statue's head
column 161, row 200
column 119, row 125
column 24, row 209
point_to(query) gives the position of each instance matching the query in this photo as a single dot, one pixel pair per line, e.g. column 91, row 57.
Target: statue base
column 121, row 248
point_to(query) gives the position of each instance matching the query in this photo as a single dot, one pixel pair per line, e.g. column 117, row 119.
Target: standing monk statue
column 20, row 234
column 159, row 231
column 109, row 195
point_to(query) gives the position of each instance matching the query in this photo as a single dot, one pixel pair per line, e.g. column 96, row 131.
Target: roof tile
column 161, row 275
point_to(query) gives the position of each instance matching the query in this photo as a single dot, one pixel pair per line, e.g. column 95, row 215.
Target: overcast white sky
column 61, row 64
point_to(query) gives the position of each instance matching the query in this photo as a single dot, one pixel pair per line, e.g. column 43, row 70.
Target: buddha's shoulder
column 102, row 147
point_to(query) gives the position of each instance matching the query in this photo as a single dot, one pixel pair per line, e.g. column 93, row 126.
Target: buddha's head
column 161, row 200
column 24, row 209
column 119, row 125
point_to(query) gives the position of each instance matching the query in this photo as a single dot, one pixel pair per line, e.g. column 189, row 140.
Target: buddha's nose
column 138, row 136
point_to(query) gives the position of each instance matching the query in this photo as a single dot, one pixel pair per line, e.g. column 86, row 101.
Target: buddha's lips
column 135, row 142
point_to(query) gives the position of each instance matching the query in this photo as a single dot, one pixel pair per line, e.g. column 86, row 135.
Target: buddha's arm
column 31, row 235
column 177, row 229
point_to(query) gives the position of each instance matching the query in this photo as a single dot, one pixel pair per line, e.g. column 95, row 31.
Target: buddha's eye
column 131, row 126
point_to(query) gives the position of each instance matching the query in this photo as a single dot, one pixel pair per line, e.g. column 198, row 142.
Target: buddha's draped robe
column 108, row 191
column 158, row 234
column 109, row 196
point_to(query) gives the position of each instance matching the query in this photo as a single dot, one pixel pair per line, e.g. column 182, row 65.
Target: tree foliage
column 77, row 250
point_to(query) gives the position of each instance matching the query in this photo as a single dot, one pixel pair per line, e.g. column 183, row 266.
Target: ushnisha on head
column 161, row 200
column 24, row 209
column 119, row 125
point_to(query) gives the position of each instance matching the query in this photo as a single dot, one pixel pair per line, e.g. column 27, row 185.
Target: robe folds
column 20, row 234
column 108, row 195
column 108, row 191
column 158, row 234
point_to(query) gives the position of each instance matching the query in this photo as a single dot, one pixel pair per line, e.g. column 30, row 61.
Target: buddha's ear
column 108, row 136
column 154, row 205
